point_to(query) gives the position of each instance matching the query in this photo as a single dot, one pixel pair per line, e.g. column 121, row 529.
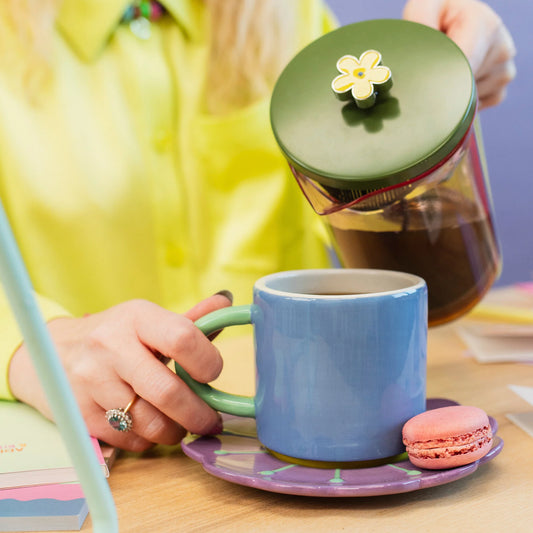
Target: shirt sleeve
column 11, row 337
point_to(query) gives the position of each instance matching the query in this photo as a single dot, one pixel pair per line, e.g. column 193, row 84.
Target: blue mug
column 340, row 363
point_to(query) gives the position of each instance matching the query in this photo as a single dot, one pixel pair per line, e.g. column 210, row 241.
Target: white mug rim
column 412, row 282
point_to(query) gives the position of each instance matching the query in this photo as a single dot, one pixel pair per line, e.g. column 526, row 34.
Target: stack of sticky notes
column 39, row 487
column 523, row 420
column 500, row 328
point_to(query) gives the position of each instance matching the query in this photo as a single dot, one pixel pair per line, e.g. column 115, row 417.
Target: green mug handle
column 232, row 404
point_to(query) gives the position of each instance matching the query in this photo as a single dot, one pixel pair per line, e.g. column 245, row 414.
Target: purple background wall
column 507, row 132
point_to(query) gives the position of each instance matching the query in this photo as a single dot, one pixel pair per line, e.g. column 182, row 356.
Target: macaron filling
column 449, row 447
column 475, row 437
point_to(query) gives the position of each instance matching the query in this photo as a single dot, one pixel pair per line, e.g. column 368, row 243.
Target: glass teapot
column 378, row 123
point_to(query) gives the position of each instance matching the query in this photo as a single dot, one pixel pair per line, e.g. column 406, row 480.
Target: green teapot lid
column 343, row 135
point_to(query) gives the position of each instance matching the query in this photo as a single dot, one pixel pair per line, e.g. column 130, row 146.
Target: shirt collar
column 87, row 25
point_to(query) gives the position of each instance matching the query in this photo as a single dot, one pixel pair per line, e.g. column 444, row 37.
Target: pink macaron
column 447, row 437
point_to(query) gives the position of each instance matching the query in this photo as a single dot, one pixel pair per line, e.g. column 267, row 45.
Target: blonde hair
column 251, row 41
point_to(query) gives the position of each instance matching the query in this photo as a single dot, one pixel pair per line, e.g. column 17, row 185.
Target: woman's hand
column 110, row 357
column 482, row 36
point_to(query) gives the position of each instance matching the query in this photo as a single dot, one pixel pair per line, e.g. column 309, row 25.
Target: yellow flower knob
column 359, row 78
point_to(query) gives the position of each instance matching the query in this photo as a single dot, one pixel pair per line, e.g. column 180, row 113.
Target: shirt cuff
column 11, row 337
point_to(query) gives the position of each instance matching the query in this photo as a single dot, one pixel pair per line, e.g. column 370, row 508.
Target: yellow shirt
column 118, row 184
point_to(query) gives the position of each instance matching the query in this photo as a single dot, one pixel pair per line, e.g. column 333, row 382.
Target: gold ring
column 119, row 419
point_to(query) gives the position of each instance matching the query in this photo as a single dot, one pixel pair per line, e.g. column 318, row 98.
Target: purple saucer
column 237, row 456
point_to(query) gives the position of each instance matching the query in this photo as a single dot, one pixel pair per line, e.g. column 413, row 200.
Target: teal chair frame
column 67, row 415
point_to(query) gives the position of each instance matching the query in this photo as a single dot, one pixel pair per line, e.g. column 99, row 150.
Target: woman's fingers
column 426, row 12
column 149, row 423
column 159, row 386
column 149, row 426
column 220, row 299
column 217, row 301
column 175, row 336
column 160, row 331
column 492, row 87
column 481, row 35
column 95, row 417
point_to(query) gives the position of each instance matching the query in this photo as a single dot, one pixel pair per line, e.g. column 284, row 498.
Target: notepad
column 60, row 507
column 32, row 451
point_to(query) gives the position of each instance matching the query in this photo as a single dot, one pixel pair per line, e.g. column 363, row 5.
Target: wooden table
column 166, row 491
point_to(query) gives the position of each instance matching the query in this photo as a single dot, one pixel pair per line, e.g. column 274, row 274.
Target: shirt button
column 162, row 140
